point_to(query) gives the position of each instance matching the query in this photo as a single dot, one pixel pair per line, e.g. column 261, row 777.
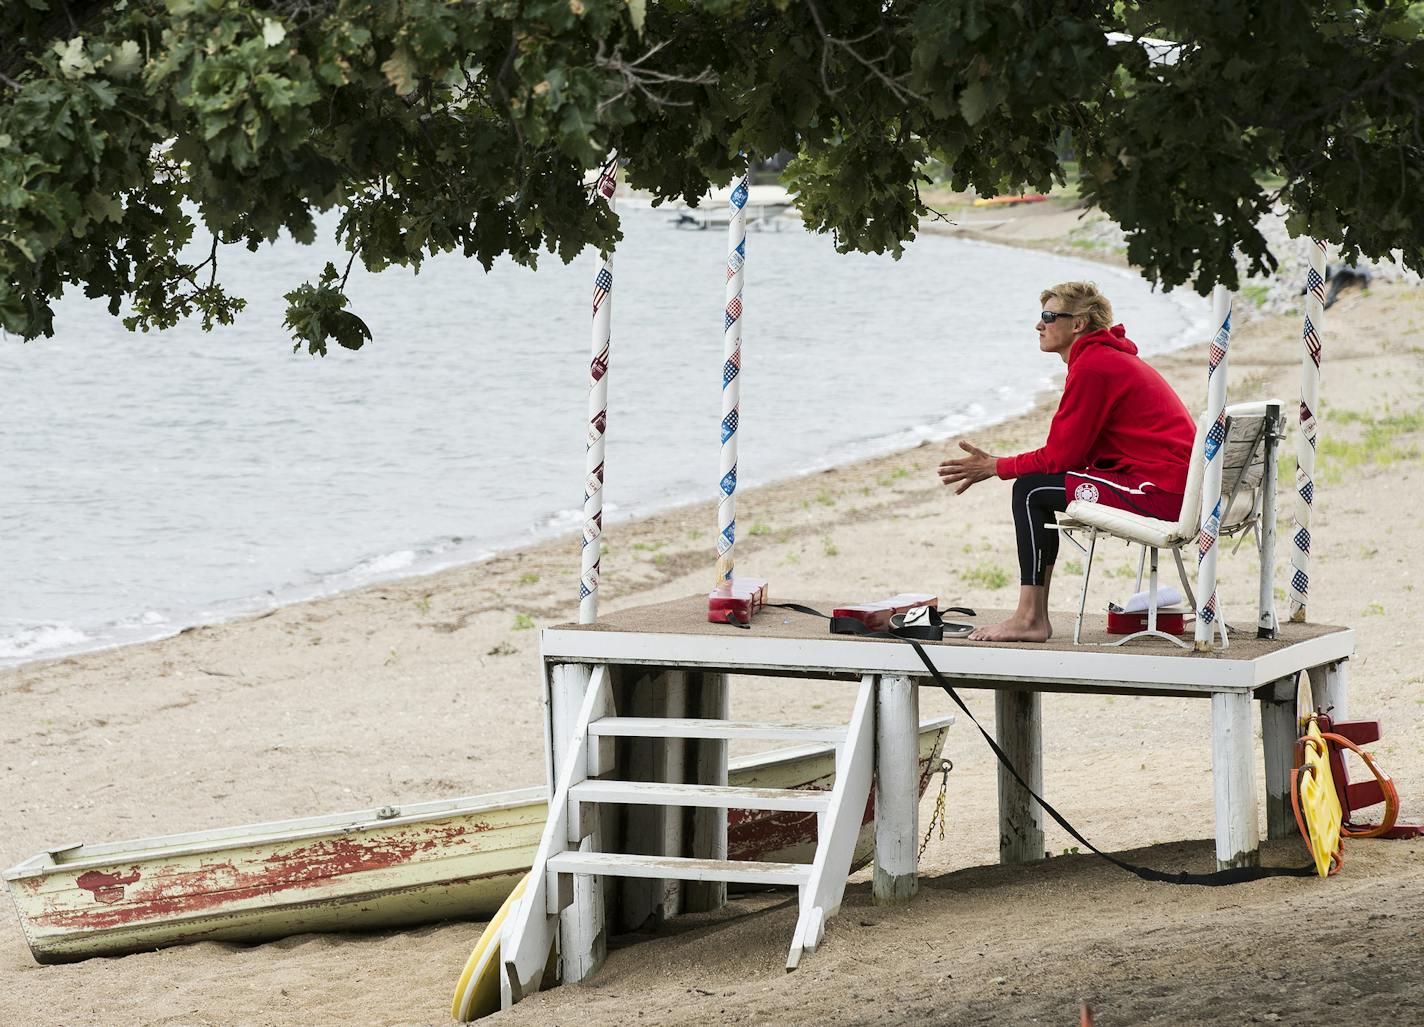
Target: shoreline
column 426, row 688
column 429, row 560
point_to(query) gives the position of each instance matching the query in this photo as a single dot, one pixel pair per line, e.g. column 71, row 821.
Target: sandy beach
column 427, row 688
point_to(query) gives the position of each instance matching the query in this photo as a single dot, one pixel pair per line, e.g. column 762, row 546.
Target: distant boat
column 764, row 207
column 389, row 867
column 1009, row 201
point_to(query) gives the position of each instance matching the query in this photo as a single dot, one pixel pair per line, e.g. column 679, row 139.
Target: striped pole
column 731, row 379
column 1308, row 438
column 597, row 411
column 1208, row 615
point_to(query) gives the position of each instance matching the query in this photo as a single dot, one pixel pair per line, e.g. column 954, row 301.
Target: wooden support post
column 709, row 826
column 673, row 685
column 1329, row 688
column 1279, row 731
column 897, row 718
column 1233, row 782
column 1017, row 726
column 630, row 901
column 582, row 940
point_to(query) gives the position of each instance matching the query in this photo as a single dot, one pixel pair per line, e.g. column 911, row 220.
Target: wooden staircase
column 570, row 857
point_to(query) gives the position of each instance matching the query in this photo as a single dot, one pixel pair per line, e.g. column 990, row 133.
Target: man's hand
column 968, row 470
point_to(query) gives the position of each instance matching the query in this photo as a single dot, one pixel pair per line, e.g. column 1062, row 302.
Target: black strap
column 932, row 632
column 1235, row 875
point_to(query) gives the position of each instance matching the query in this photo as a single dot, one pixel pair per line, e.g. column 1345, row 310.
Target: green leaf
column 74, row 63
column 974, row 101
column 638, row 12
column 399, row 69
column 125, row 60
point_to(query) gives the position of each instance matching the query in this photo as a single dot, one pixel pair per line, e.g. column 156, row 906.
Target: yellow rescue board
column 477, row 991
column 1319, row 804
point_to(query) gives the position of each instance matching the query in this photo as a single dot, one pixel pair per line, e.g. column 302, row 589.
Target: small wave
column 35, row 641
column 568, row 519
column 390, row 563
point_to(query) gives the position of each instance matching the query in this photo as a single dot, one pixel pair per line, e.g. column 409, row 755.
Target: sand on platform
column 427, row 688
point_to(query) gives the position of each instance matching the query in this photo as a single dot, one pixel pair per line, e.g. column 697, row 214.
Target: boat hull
column 371, row 869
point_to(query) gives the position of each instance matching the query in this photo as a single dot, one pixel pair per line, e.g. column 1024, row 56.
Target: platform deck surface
column 677, row 633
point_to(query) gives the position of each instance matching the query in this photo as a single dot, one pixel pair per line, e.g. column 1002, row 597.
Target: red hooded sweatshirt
column 1117, row 415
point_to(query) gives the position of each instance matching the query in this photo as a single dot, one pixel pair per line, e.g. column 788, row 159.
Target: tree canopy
column 130, row 128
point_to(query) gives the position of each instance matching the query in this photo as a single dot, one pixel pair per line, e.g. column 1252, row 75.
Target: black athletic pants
column 1036, row 497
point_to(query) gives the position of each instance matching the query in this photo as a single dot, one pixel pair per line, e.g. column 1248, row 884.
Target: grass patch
column 1073, row 567
column 423, row 605
column 1123, row 571
column 825, row 499
column 523, row 622
column 759, row 529
column 1374, row 610
column 529, row 578
column 1256, row 295
column 986, row 575
column 1373, row 442
column 829, row 547
column 648, row 547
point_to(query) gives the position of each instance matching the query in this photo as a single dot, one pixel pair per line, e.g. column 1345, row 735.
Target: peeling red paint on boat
column 107, row 888
column 180, row 889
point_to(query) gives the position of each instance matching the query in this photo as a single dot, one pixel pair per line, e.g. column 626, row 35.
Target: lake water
column 156, row 481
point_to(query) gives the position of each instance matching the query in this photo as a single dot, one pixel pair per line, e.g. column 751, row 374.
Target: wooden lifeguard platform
column 670, row 668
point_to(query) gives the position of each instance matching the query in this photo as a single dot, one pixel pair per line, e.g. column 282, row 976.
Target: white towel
column 1166, row 596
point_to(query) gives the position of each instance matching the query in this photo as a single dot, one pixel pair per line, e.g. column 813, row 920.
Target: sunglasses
column 1048, row 316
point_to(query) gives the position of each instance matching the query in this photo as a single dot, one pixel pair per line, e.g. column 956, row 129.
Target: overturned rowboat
column 369, row 869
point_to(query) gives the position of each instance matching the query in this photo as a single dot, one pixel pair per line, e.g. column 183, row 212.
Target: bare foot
column 1014, row 630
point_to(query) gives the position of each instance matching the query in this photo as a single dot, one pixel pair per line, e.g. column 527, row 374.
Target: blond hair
column 1082, row 298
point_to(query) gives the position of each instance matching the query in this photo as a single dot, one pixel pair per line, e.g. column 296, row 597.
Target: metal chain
column 945, row 766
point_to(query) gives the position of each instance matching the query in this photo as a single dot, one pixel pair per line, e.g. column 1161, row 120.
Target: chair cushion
column 1148, row 531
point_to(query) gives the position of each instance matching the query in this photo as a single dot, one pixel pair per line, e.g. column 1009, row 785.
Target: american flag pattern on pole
column 731, row 379
column 1211, row 499
column 592, row 551
column 1308, row 439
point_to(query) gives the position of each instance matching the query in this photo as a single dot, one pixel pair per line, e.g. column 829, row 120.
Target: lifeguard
column 1121, row 436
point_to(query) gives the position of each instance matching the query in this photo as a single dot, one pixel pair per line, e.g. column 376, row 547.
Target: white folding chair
column 1248, row 489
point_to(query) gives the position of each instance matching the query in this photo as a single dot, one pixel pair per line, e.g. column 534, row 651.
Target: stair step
column 679, row 868
column 654, row 793
column 667, row 727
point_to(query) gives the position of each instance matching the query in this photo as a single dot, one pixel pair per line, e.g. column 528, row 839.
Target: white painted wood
column 1233, row 782
column 1018, row 719
column 1330, row 687
column 896, row 792
column 681, row 868
column 1279, row 731
column 709, row 699
column 1338, row 645
column 701, row 727
column 529, row 931
column 673, row 758
column 1044, row 668
column 658, row 793
column 582, row 937
column 821, row 897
